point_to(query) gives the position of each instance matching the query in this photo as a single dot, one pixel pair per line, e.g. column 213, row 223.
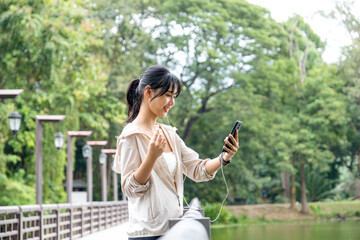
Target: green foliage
column 331, row 210
column 235, row 62
column 233, row 219
column 316, row 210
column 15, row 191
column 52, row 50
column 319, row 186
column 213, row 211
column 357, row 213
column 346, row 188
column 347, row 151
column 263, row 218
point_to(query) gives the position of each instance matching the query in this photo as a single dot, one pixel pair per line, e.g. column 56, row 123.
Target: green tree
column 212, row 46
column 128, row 49
column 54, row 51
column 349, row 150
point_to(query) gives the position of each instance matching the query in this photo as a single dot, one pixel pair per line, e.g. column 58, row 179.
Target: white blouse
column 170, row 160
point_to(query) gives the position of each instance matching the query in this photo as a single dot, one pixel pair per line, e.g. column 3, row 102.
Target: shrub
column 212, row 211
column 315, row 210
column 233, row 219
column 244, row 217
column 357, row 213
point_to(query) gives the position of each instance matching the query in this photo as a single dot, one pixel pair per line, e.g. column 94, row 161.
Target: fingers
column 229, row 151
column 155, row 136
column 159, row 139
column 157, row 144
column 234, row 139
column 232, row 146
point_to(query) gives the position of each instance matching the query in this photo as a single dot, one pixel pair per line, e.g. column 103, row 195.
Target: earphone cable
column 227, row 194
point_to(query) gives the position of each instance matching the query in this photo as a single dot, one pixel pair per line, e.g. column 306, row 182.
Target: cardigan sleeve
column 194, row 166
column 127, row 161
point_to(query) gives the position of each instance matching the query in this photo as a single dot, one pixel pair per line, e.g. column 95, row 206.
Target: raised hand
column 157, row 145
column 233, row 148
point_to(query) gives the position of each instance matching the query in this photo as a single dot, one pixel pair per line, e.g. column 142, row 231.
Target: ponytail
column 134, row 100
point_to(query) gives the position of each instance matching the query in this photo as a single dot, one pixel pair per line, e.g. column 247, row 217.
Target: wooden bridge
column 61, row 221
column 91, row 221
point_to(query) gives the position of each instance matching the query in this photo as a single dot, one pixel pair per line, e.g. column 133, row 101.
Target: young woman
column 152, row 158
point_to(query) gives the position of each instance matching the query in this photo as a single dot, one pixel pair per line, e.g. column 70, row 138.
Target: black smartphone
column 236, row 126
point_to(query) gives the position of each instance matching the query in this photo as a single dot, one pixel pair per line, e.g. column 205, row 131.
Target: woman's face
column 161, row 105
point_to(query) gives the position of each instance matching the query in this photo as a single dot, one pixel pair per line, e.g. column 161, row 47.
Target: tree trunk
column 293, row 192
column 285, row 184
column 358, row 153
column 304, row 204
column 188, row 127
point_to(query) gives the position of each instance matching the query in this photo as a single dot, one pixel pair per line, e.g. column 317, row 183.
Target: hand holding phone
column 236, row 126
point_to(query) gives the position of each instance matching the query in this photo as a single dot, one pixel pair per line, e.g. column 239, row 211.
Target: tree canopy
column 76, row 58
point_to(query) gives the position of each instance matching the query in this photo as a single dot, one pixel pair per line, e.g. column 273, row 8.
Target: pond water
column 347, row 230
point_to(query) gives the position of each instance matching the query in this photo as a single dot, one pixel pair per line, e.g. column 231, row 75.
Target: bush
column 357, row 213
column 13, row 193
column 315, row 210
column 234, row 219
column 263, row 218
column 244, row 217
column 212, row 211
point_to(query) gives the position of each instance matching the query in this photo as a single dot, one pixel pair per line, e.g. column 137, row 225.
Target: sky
column 330, row 31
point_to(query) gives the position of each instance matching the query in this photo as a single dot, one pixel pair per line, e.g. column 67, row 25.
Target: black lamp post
column 14, row 122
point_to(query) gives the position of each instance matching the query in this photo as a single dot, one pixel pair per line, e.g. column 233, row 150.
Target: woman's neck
column 146, row 119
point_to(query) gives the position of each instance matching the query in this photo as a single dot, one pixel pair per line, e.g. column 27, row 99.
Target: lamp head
column 14, row 122
column 59, row 140
column 86, row 150
column 102, row 158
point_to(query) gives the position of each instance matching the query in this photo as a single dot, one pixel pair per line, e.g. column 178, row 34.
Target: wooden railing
column 60, row 221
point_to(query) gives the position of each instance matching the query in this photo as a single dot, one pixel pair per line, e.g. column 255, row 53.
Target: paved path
column 115, row 233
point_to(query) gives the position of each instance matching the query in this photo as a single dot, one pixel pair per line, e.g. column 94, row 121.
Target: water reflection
column 348, row 230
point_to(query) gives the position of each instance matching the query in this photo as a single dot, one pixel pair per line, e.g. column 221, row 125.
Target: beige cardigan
column 152, row 204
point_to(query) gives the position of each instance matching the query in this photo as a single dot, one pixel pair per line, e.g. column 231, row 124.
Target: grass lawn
column 282, row 213
column 332, row 209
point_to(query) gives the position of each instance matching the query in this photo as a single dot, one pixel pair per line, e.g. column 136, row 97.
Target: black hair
column 157, row 77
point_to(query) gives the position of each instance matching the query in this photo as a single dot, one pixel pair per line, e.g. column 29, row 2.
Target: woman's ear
column 148, row 92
